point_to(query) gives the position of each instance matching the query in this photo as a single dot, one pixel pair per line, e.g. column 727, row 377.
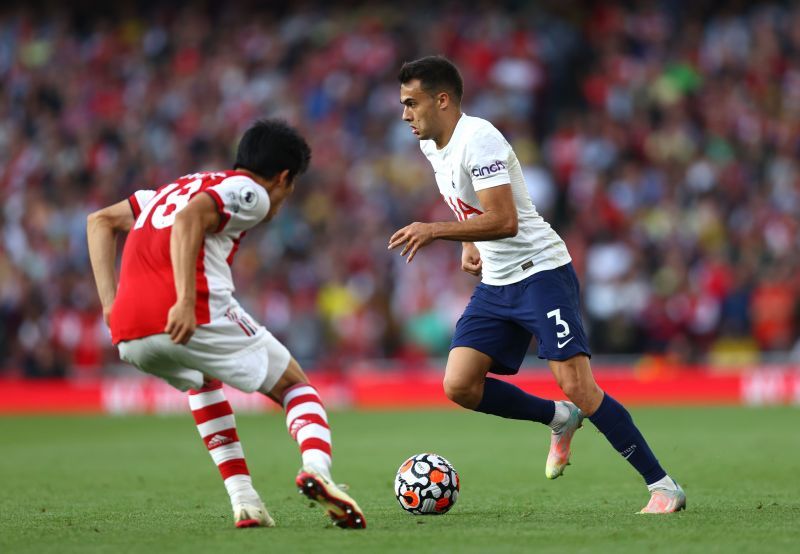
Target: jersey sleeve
column 486, row 158
column 242, row 203
column 139, row 199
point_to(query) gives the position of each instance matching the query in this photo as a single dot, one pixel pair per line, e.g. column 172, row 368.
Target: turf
column 145, row 484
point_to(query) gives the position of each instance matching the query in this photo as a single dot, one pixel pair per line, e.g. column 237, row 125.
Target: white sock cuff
column 665, row 483
column 560, row 416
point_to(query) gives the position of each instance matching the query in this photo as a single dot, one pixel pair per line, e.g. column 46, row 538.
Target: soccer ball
column 426, row 484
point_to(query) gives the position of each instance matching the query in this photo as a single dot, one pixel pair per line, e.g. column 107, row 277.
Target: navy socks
column 614, row 421
column 505, row 400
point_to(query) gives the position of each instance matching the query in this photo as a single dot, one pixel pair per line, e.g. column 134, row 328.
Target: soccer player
column 529, row 287
column 173, row 314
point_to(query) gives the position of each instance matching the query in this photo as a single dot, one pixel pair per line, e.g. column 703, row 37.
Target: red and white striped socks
column 307, row 422
column 217, row 426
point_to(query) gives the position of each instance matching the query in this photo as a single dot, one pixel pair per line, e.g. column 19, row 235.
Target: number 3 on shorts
column 560, row 322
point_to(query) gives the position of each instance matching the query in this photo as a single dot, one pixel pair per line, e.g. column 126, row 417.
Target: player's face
column 420, row 110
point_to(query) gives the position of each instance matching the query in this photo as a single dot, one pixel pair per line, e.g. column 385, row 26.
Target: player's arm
column 200, row 216
column 102, row 228
column 498, row 221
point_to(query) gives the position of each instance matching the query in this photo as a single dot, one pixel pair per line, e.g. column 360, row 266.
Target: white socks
column 240, row 489
column 666, row 483
column 560, row 416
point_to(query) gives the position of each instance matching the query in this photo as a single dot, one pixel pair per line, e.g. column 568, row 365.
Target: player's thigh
column 238, row 352
column 159, row 356
column 501, row 341
column 552, row 312
column 466, row 367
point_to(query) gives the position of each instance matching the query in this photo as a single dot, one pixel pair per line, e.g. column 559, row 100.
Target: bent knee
column 577, row 382
column 464, row 394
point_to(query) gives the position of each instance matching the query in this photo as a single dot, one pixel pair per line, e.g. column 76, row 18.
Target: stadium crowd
column 660, row 141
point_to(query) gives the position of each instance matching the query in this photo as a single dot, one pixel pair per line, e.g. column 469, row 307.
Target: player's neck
column 266, row 183
column 444, row 139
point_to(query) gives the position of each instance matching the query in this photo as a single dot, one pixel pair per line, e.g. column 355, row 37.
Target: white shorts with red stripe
column 232, row 348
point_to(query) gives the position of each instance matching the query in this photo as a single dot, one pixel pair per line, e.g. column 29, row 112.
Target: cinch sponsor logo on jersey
column 483, row 170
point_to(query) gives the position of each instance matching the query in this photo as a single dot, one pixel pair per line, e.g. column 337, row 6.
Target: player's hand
column 107, row 315
column 181, row 322
column 414, row 237
column 471, row 259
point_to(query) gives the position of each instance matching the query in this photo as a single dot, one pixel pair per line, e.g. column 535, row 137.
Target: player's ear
column 442, row 100
column 283, row 179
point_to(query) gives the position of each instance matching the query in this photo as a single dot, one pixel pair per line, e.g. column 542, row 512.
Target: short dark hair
column 435, row 74
column 270, row 146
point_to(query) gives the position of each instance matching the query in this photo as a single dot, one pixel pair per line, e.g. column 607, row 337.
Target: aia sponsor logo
column 484, row 170
column 462, row 210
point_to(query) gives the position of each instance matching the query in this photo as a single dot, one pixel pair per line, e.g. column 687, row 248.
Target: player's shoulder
column 477, row 128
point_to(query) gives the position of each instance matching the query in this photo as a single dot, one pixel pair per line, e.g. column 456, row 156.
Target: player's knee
column 577, row 384
column 572, row 389
column 462, row 393
column 586, row 395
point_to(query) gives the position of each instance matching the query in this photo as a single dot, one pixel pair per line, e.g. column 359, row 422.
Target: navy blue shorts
column 501, row 320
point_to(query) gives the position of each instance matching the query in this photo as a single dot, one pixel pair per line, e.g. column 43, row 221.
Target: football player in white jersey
column 528, row 286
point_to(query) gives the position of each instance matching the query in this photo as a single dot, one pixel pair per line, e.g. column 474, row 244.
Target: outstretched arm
column 498, row 221
column 200, row 216
column 102, row 228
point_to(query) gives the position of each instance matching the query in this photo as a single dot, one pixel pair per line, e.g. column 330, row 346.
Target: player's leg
column 216, row 424
column 213, row 416
column 307, row 422
column 575, row 378
column 466, row 383
column 486, row 340
column 246, row 356
column 563, row 342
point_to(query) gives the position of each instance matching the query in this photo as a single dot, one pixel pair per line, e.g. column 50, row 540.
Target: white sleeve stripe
column 313, row 431
column 303, row 409
column 299, row 391
column 232, row 451
column 493, row 181
column 197, row 401
column 216, row 425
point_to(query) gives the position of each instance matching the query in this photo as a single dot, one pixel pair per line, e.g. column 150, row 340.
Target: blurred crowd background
column 660, row 139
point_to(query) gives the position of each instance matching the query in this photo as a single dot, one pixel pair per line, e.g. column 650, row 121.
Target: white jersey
column 478, row 157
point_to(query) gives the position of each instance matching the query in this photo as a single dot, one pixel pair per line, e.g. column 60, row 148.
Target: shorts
column 231, row 348
column 501, row 320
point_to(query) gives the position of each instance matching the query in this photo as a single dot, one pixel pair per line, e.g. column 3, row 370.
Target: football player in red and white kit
column 173, row 313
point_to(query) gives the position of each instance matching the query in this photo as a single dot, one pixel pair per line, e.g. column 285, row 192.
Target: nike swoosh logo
column 563, row 344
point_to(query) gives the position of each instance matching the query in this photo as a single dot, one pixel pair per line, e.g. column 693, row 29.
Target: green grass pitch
column 146, row 484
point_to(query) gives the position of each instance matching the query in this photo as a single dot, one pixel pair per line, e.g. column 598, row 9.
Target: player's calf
column 216, row 424
column 307, row 422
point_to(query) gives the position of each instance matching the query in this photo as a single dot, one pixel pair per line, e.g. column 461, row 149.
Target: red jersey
column 146, row 289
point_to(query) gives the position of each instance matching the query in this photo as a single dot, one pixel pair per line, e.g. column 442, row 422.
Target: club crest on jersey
column 233, row 201
column 248, row 197
column 484, row 170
